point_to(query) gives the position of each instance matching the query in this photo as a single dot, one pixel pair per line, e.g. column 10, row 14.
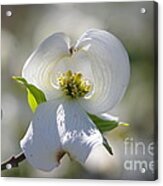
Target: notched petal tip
column 60, row 155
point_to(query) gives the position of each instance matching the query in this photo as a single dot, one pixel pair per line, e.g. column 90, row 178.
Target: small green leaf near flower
column 104, row 125
column 34, row 95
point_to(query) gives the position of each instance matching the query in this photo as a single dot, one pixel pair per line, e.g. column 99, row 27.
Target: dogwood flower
column 89, row 77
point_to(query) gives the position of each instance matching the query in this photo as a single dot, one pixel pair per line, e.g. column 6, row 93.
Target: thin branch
column 13, row 161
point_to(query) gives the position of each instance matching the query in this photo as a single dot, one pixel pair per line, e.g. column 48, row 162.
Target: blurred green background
column 28, row 26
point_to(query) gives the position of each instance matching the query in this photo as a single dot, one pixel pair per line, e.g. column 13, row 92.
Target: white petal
column 59, row 127
column 78, row 133
column 41, row 144
column 39, row 69
column 110, row 67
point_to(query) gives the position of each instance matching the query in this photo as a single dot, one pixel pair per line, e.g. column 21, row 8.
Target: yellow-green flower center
column 73, row 84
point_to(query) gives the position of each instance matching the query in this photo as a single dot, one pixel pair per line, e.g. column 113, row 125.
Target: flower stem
column 13, row 161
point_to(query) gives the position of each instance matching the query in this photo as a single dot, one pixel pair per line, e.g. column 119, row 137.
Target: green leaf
column 34, row 95
column 38, row 95
column 104, row 125
column 20, row 80
column 31, row 100
column 107, row 146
